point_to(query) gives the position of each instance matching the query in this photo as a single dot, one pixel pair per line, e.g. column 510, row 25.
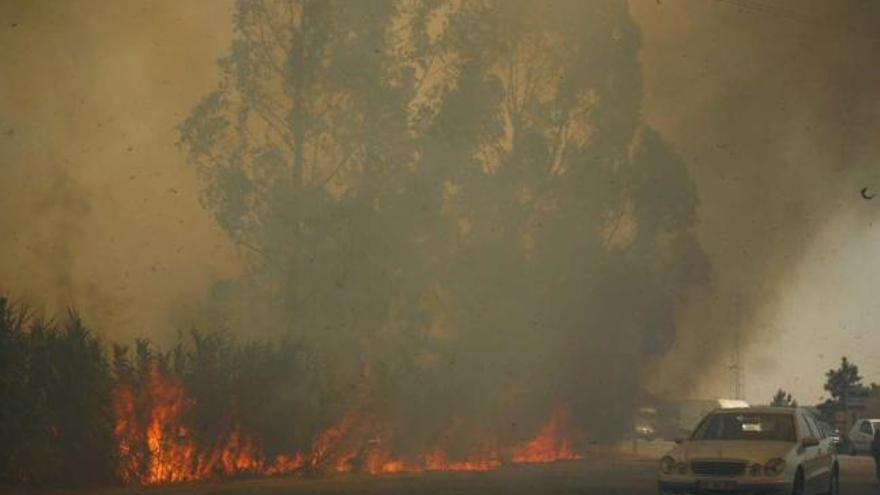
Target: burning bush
column 196, row 413
column 209, row 408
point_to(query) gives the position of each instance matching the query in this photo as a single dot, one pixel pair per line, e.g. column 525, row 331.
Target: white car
column 755, row 450
column 861, row 435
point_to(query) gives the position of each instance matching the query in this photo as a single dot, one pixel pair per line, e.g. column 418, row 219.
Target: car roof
column 759, row 410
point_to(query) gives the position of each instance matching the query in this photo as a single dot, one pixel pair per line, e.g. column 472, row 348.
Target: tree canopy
column 840, row 383
column 446, row 194
column 783, row 399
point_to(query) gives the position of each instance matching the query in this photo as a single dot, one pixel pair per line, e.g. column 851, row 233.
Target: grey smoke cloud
column 775, row 120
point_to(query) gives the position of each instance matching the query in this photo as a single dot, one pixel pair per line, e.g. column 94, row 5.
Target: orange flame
column 436, row 461
column 549, row 445
column 286, row 464
column 156, row 446
column 171, row 453
column 127, row 434
column 379, row 461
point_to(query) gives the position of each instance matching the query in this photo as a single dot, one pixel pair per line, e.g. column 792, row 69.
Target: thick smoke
column 775, row 113
column 455, row 203
column 97, row 207
column 503, row 313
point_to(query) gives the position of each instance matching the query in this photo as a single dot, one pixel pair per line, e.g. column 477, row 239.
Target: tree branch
column 336, row 169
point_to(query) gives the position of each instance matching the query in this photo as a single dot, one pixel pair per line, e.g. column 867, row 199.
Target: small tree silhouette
column 783, row 399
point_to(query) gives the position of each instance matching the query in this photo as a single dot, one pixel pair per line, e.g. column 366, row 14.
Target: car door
column 862, row 436
column 809, row 457
column 851, row 437
column 824, row 455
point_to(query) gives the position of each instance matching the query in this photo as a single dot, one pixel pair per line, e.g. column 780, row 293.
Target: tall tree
column 842, row 380
column 840, row 383
column 467, row 182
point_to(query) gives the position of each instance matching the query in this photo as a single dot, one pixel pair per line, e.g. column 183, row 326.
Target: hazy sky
column 775, row 113
column 90, row 99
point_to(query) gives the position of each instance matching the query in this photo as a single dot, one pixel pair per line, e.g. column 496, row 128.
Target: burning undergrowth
column 460, row 244
column 213, row 408
column 165, row 434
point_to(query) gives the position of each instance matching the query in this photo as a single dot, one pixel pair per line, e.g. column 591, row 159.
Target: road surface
column 612, row 474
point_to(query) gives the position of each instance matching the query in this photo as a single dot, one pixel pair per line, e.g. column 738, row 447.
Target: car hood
column 754, row 451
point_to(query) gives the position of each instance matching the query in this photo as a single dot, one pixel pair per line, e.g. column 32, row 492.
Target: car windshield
column 746, row 426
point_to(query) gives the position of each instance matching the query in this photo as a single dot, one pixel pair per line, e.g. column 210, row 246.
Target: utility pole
column 737, row 372
column 737, row 378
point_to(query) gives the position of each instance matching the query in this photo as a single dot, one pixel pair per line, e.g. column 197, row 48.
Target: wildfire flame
column 156, row 446
column 550, row 444
column 436, row 461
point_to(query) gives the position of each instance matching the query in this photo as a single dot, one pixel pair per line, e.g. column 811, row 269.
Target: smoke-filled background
column 469, row 210
column 774, row 109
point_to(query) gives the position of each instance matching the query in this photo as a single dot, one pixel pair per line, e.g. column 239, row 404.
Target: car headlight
column 774, row 467
column 667, row 465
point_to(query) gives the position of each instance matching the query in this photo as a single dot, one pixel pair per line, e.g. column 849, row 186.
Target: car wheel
column 798, row 488
column 834, row 482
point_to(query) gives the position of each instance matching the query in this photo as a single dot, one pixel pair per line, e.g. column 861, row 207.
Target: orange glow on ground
column 156, row 446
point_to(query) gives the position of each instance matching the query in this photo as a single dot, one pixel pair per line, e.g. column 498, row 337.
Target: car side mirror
column 809, row 442
column 679, row 440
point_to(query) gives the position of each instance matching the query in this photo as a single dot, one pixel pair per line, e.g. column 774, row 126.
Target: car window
column 866, row 428
column 741, row 426
column 815, row 430
column 804, row 429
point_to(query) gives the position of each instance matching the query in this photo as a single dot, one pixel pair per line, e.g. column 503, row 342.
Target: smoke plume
column 472, row 212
